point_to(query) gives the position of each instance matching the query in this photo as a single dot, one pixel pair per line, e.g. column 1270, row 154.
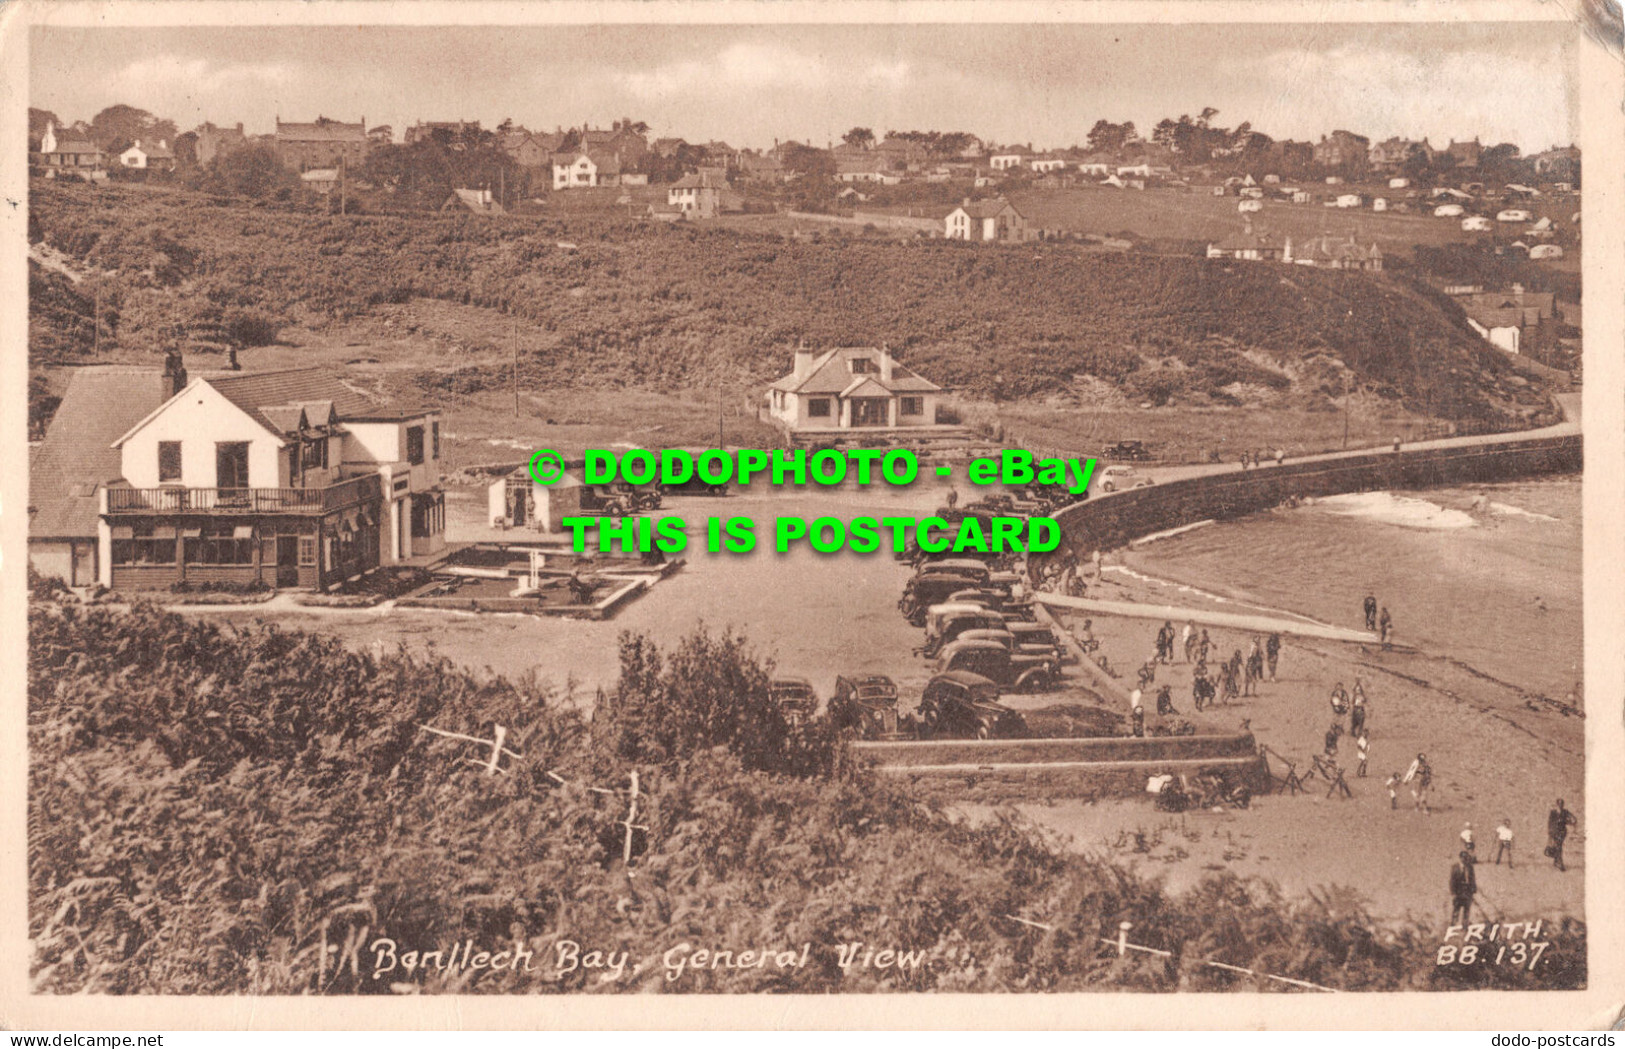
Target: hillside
column 214, row 810
column 670, row 307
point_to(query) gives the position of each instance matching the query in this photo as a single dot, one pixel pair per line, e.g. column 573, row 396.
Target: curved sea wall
column 1104, row 522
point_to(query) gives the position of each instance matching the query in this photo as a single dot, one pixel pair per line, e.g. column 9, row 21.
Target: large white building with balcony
column 287, row 478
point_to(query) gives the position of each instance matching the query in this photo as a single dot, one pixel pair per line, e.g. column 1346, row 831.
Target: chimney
column 885, row 364
column 804, row 360
column 965, row 203
column 174, row 374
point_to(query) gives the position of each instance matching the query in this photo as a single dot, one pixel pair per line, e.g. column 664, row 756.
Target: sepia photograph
column 824, row 502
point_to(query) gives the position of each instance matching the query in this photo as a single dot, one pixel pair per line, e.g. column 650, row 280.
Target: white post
column 1122, row 937
column 496, row 751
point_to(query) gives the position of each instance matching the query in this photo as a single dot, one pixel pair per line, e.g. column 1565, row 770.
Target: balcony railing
column 244, row 500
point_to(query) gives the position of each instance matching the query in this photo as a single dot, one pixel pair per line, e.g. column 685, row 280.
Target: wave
column 1387, row 508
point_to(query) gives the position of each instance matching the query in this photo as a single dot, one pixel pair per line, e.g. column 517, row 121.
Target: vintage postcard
column 831, row 514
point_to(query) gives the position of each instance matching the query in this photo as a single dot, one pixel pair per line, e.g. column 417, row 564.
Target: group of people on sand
column 1464, row 874
column 1237, row 676
column 1257, row 457
column 1380, row 623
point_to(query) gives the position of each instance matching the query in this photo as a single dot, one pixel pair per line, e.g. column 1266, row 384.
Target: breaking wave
column 1388, row 508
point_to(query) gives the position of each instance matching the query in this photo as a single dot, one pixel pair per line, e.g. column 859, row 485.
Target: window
column 169, row 461
column 434, row 431
column 913, row 406
column 818, row 407
column 314, row 453
column 862, row 366
column 231, row 464
column 220, row 543
column 307, row 550
column 144, row 545
column 414, row 444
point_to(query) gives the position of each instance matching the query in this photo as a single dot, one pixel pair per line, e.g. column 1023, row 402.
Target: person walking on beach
column 1138, row 716
column 1332, row 735
column 1362, row 749
column 1165, row 641
column 1370, row 612
column 1272, row 652
column 1421, row 773
column 1503, row 842
column 1385, row 623
column 1340, row 701
column 1232, row 688
column 1393, row 790
column 1463, row 887
column 1467, row 839
column 1202, row 691
column 1187, row 639
column 1203, row 646
column 1558, row 822
column 1357, row 718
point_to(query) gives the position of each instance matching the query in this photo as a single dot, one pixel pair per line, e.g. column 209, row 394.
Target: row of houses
column 73, row 156
column 1326, row 251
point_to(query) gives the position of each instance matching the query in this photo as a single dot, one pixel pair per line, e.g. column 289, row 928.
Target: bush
column 242, row 810
column 249, row 328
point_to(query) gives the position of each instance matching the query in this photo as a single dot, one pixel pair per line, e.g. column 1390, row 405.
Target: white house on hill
column 850, row 388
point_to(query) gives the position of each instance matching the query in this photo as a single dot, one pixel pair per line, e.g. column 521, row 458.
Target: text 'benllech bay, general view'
column 352, row 671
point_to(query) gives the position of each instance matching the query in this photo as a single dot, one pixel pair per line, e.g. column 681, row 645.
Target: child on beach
column 1393, row 790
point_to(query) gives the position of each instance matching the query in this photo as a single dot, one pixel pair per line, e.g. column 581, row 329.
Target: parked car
column 605, row 500
column 1036, row 639
column 795, row 696
column 1114, row 477
column 639, row 496
column 945, row 623
column 1135, row 450
column 998, row 601
column 867, row 705
column 1012, row 671
column 984, row 575
column 695, row 486
column 958, row 704
column 924, row 591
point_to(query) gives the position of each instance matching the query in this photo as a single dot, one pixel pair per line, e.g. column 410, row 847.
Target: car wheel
column 1108, row 486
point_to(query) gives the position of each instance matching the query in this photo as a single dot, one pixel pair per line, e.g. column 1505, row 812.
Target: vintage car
column 1012, row 671
column 945, row 623
column 986, row 575
column 795, row 697
column 923, row 591
column 1036, row 639
column 1114, row 477
column 960, row 705
column 867, row 705
column 1133, row 450
column 639, row 496
column 605, row 500
column 998, row 601
column 695, row 486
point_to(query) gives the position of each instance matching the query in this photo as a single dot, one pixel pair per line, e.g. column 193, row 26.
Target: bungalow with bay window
column 849, row 388
column 287, row 478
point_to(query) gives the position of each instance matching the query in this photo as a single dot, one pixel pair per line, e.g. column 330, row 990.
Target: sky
column 753, row 85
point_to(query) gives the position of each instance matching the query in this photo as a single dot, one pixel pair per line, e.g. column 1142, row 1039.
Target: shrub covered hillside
column 619, row 303
column 252, row 811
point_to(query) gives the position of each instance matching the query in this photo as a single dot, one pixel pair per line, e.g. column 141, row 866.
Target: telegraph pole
column 515, row 340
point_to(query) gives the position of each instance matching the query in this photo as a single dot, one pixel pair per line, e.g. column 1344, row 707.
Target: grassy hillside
column 676, row 306
column 215, row 810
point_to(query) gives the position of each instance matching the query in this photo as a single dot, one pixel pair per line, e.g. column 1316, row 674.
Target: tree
column 254, row 171
column 1106, row 137
column 38, row 120
column 805, row 160
column 117, row 127
column 862, row 138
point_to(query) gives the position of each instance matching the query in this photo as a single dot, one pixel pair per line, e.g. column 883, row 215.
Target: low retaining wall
column 1032, row 751
column 1104, row 522
column 1036, row 769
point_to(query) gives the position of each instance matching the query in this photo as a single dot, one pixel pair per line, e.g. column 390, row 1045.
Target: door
column 231, row 464
column 84, row 564
column 287, row 560
column 869, row 411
